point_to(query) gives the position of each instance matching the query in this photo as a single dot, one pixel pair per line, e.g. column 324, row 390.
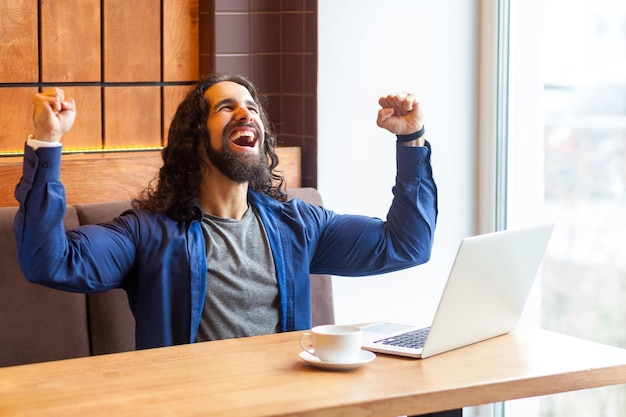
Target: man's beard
column 240, row 168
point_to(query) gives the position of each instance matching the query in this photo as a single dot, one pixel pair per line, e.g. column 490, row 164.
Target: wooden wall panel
column 181, row 50
column 19, row 57
column 107, row 55
column 16, row 117
column 172, row 96
column 290, row 165
column 70, row 40
column 132, row 117
column 132, row 40
column 87, row 130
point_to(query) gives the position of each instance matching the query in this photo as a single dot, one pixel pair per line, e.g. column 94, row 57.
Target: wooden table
column 263, row 376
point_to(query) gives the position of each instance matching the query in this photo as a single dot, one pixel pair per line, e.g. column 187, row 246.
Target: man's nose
column 243, row 114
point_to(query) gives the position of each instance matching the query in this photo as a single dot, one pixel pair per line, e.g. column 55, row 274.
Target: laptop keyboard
column 413, row 340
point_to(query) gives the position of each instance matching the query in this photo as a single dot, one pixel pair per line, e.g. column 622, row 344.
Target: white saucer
column 363, row 358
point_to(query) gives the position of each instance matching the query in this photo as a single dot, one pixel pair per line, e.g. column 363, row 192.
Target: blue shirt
column 162, row 264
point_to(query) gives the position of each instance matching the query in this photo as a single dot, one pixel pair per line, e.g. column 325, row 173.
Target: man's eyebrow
column 223, row 102
column 233, row 101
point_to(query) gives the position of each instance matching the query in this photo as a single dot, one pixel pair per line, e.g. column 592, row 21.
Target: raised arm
column 360, row 245
column 71, row 261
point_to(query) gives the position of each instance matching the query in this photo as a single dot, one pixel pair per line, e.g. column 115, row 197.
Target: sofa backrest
column 37, row 324
column 111, row 322
column 40, row 324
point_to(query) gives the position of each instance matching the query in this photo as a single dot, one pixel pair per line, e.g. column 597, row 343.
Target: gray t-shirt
column 242, row 290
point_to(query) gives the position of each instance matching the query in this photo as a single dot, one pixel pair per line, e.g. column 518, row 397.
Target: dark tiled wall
column 274, row 43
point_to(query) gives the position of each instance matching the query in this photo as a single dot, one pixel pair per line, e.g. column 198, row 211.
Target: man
column 211, row 249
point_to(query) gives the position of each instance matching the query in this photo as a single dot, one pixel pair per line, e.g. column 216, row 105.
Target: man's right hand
column 53, row 115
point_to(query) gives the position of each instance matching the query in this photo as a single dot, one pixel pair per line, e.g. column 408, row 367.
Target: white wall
column 369, row 48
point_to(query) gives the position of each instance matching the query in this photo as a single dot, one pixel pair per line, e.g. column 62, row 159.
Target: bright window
column 572, row 116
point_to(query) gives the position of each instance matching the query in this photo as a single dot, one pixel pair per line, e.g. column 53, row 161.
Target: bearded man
column 212, row 249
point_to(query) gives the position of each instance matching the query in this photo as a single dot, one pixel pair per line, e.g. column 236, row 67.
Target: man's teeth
column 247, row 135
column 243, row 138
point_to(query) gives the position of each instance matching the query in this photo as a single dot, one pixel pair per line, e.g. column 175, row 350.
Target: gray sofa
column 39, row 324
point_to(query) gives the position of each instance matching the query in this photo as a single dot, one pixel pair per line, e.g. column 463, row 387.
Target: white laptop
column 484, row 297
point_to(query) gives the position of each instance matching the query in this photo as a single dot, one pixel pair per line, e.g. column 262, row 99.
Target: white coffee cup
column 333, row 343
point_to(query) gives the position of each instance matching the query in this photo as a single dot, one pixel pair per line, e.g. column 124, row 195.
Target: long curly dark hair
column 176, row 189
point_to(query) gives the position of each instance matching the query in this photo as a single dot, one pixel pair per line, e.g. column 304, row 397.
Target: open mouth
column 243, row 137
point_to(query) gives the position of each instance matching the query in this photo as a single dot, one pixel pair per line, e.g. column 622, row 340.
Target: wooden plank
column 132, row 117
column 181, row 44
column 70, row 37
column 15, row 117
column 132, row 40
column 19, row 41
column 86, row 133
column 113, row 175
column 172, row 97
column 290, row 163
